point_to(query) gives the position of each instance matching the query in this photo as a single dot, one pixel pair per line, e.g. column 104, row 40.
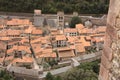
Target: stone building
column 38, row 18
column 60, row 19
column 110, row 61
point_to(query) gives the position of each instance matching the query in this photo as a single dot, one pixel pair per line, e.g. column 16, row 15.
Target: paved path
column 56, row 71
column 83, row 57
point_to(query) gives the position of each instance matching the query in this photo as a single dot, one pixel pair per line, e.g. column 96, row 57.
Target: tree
column 80, row 74
column 49, row 76
column 74, row 21
column 58, row 78
column 52, row 6
column 5, row 76
column 86, row 71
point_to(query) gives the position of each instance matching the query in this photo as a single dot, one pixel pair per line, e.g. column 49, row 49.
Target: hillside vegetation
column 52, row 6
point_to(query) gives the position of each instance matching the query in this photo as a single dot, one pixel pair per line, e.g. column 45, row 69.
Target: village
column 36, row 44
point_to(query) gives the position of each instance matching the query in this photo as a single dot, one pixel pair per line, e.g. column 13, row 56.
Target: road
column 83, row 57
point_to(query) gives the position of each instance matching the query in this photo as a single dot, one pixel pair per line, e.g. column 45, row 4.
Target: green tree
column 75, row 20
column 82, row 6
column 80, row 74
column 49, row 76
column 5, row 76
column 86, row 71
column 58, row 78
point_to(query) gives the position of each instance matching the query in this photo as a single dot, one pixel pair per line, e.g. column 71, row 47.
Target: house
column 98, row 42
column 19, row 51
column 45, row 54
column 54, row 32
column 23, row 62
column 87, row 44
column 65, row 53
column 79, row 26
column 79, row 49
column 71, row 32
column 101, row 29
column 72, row 40
column 59, row 41
column 13, row 33
column 18, row 24
column 36, row 32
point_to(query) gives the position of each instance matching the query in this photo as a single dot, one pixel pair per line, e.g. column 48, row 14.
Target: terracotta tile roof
column 14, row 32
column 88, row 37
column 54, row 32
column 19, row 48
column 98, row 35
column 100, row 39
column 70, row 30
column 37, row 48
column 18, row 22
column 37, row 31
column 38, row 40
column 24, row 40
column 23, row 60
column 60, row 37
column 80, row 47
column 66, row 54
column 101, row 29
column 47, row 55
column 47, row 50
column 3, row 33
column 5, row 38
column 83, row 31
column 72, row 39
column 9, row 58
column 79, row 26
column 3, row 45
column 29, row 30
column 63, row 48
column 23, row 48
column 87, row 31
column 86, row 44
column 72, row 46
column 82, row 40
column 1, row 26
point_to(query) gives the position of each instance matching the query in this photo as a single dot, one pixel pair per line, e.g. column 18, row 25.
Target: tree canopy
column 52, row 6
column 5, row 76
column 75, row 20
column 86, row 71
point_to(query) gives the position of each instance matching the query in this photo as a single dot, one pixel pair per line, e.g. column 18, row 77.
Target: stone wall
column 110, row 61
column 24, row 71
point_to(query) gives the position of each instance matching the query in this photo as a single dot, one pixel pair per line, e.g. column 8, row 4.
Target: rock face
column 110, row 61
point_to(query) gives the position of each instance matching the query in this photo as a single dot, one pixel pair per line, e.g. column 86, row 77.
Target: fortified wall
column 100, row 21
column 110, row 61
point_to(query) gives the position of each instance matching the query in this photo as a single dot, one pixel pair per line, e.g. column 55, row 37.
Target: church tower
column 60, row 19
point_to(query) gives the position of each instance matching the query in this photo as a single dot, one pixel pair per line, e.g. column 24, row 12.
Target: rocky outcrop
column 110, row 61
